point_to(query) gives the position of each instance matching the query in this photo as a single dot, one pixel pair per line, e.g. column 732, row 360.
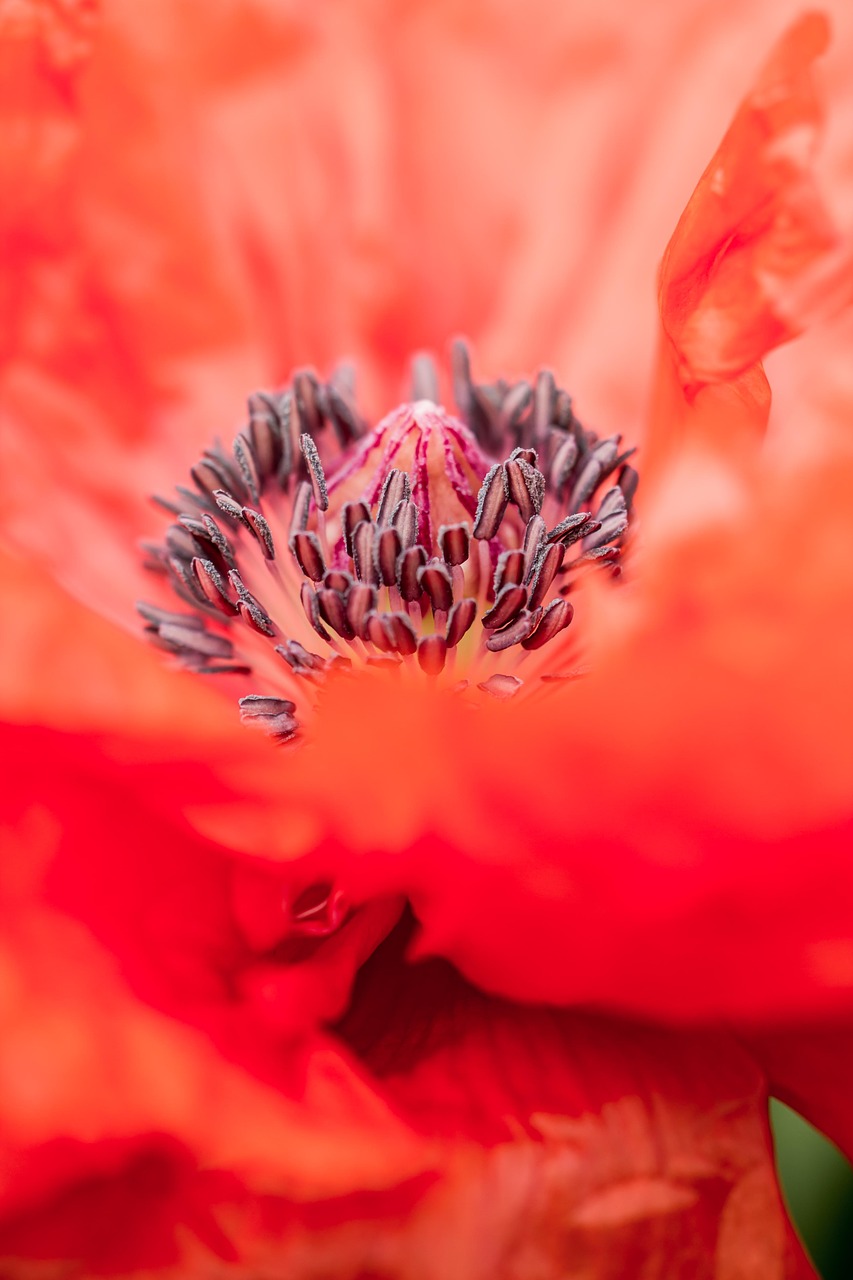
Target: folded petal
column 584, row 1097
column 440, row 1134
column 753, row 260
column 108, row 1067
column 125, row 1130
column 668, row 835
column 754, row 234
column 810, row 1069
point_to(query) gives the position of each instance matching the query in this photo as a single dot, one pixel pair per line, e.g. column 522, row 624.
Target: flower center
column 448, row 545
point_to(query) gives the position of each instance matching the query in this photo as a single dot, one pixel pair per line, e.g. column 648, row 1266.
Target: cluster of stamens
column 448, row 544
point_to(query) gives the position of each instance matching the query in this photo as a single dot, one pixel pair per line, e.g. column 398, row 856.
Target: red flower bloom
column 450, row 985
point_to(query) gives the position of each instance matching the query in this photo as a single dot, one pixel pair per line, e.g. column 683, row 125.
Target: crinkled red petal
column 515, row 1137
column 754, row 259
column 669, row 835
column 754, row 233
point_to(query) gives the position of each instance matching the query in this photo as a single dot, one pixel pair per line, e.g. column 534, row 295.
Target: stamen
column 364, row 549
column 300, row 512
column 510, row 599
column 454, row 542
column 435, row 580
column 338, row 580
column 459, row 620
column 510, row 569
column 269, row 424
column 227, row 504
column 491, row 504
column 432, row 653
column 315, row 466
column 525, row 486
column 514, row 405
column 191, row 641
column 563, row 464
column 300, row 658
column 390, row 545
column 405, row 521
column 334, row 610
column 501, row 686
column 409, row 570
column 377, row 633
column 260, row 530
column 545, row 568
column 515, row 633
column 345, row 422
column 210, row 581
column 352, row 515
column 309, row 555
column 311, row 605
column 572, row 528
column 274, row 715
column 398, row 626
column 250, row 609
column 543, row 403
column 599, row 464
column 554, row 619
column 361, row 601
column 424, row 378
column 248, row 469
column 396, row 489
column 388, row 550
column 308, row 400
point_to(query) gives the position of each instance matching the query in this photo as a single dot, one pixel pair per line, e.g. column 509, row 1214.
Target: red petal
column 754, row 232
column 498, row 1133
column 193, row 216
column 638, row 1150
column 109, row 1106
column 554, row 1137
column 65, row 666
column 659, row 837
column 108, row 1067
column 751, row 261
column 811, row 1069
column 117, row 1206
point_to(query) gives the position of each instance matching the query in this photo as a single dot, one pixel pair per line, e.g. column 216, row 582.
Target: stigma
column 445, row 545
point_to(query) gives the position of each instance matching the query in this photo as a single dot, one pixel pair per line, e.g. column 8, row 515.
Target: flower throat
column 445, row 545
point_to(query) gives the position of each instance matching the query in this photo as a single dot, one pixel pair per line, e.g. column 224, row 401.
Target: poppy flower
column 484, row 958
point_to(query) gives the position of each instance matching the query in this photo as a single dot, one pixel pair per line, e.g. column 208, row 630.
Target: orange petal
column 111, row 1067
column 602, row 842
column 419, row 1119
column 515, row 1135
column 65, row 666
column 751, row 261
column 193, row 216
column 754, row 231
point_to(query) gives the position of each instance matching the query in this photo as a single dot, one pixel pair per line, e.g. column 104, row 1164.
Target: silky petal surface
column 62, row 664
column 754, row 260
column 684, row 857
column 754, row 232
column 668, row 835
column 273, row 187
column 511, row 1139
